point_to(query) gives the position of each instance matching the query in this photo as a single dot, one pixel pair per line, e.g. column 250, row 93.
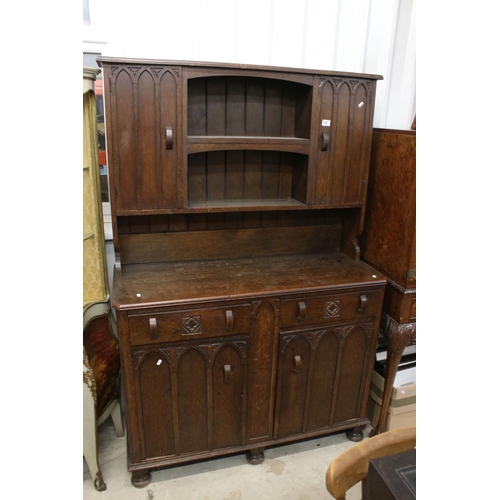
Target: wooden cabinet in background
column 246, row 318
column 388, row 242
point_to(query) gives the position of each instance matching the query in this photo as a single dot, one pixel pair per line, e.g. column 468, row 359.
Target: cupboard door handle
column 362, row 303
column 169, row 136
column 325, row 141
column 298, row 364
column 153, row 330
column 227, row 374
column 229, row 320
column 302, row 311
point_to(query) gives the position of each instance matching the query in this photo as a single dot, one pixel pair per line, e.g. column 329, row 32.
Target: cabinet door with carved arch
column 143, row 135
column 191, row 396
column 322, row 377
column 344, row 121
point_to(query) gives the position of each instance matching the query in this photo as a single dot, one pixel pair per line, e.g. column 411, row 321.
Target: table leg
column 398, row 337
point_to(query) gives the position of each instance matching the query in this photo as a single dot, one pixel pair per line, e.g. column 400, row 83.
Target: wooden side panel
column 261, row 370
column 388, row 240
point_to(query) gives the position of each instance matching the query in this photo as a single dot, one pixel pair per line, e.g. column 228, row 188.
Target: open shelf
column 224, row 205
column 249, row 107
column 247, row 178
column 203, row 143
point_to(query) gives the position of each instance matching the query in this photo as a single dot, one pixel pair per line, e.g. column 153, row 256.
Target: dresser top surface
column 235, row 66
column 152, row 285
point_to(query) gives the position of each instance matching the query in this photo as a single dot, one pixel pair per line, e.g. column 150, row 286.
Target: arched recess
column 353, row 360
column 192, row 401
column 155, row 392
column 323, row 380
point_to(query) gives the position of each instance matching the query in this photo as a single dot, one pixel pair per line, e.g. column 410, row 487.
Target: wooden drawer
column 328, row 309
column 188, row 324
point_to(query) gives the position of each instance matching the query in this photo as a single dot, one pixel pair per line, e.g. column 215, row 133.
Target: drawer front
column 188, row 324
column 328, row 309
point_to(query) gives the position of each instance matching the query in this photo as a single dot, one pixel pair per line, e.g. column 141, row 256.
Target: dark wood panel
column 155, row 392
column 261, row 372
column 170, row 283
column 352, row 368
column 388, row 241
column 192, row 401
column 146, row 146
column 323, row 378
column 123, row 130
column 225, row 244
column 229, row 375
column 355, row 164
column 293, row 369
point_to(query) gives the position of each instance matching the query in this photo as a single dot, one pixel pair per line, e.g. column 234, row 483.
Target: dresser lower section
column 219, row 376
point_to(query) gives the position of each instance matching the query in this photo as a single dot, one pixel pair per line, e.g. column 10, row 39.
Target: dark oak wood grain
column 246, row 316
column 389, row 243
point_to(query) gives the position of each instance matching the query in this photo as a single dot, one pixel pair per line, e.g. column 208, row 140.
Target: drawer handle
column 298, row 364
column 302, row 311
column 169, row 138
column 229, row 320
column 362, row 303
column 227, row 374
column 153, row 330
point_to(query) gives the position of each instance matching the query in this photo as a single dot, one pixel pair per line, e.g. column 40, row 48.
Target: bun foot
column 140, row 479
column 255, row 457
column 355, row 434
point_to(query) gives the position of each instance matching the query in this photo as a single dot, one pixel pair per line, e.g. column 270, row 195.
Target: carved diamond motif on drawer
column 332, row 309
column 191, row 325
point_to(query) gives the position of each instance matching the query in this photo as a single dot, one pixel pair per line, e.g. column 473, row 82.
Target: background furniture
column 101, row 362
column 245, row 316
column 101, row 379
column 352, row 466
column 388, row 243
column 392, row 478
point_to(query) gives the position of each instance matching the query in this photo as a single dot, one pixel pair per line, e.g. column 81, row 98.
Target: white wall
column 370, row 36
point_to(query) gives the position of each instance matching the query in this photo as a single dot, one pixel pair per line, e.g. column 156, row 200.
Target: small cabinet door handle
column 169, row 136
column 325, row 141
column 229, row 320
column 298, row 364
column 362, row 303
column 153, row 330
column 302, row 311
column 227, row 374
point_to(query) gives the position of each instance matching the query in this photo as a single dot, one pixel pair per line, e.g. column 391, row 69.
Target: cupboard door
column 144, row 136
column 192, row 396
column 323, row 377
column 344, row 137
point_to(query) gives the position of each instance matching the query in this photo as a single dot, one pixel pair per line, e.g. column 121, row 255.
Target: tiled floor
column 293, row 472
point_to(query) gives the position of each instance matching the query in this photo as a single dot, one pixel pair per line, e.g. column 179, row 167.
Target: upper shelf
column 200, row 144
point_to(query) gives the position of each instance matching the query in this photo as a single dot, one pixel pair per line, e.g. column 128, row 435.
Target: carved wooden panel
column 345, row 126
column 143, row 136
column 192, row 396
